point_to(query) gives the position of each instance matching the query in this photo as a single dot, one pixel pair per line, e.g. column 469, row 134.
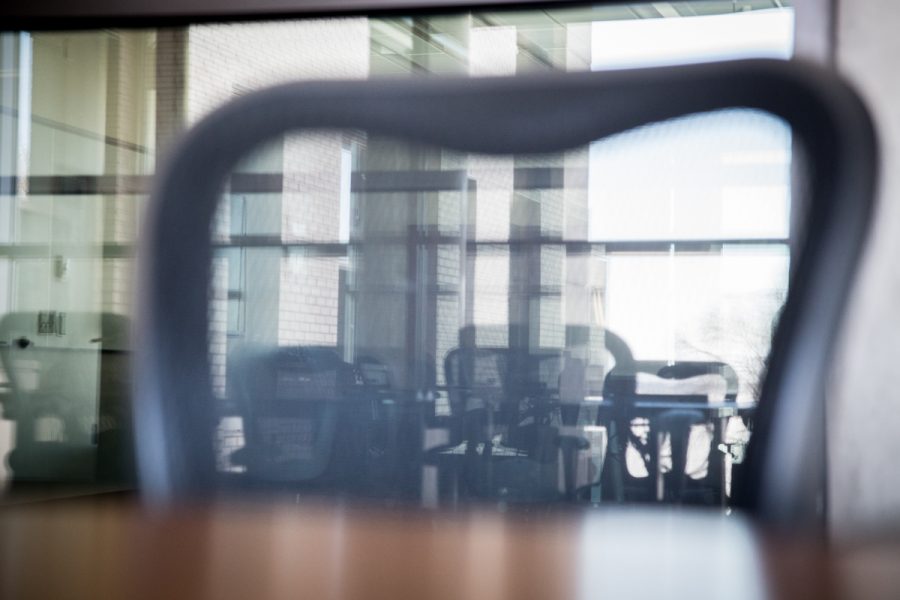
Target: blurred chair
column 515, row 115
column 390, row 430
column 666, row 401
column 286, row 400
column 503, row 441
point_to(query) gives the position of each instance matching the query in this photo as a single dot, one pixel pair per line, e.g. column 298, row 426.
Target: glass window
column 467, row 305
column 424, row 344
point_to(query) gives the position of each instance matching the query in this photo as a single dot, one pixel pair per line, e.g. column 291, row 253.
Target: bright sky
column 725, row 175
column 668, row 41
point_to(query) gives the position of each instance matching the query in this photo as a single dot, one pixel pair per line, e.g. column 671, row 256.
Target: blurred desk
column 96, row 550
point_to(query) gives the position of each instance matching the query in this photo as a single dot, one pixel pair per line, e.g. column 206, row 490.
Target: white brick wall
column 227, row 60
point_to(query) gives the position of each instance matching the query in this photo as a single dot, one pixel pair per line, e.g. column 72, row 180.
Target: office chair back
column 174, row 406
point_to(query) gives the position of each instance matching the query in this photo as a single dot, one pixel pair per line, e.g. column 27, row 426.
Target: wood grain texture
column 115, row 550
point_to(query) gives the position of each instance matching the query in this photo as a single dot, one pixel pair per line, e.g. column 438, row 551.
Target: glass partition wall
column 459, row 328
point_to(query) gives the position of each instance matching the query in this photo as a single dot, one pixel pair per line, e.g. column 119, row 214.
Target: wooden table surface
column 116, row 550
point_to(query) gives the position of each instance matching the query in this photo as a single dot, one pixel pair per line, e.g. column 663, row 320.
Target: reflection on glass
column 495, row 329
column 464, row 316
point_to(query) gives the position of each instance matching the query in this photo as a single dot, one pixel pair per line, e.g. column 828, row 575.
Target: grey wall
column 864, row 402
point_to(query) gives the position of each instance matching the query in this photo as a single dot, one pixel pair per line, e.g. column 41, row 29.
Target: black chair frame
column 174, row 409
